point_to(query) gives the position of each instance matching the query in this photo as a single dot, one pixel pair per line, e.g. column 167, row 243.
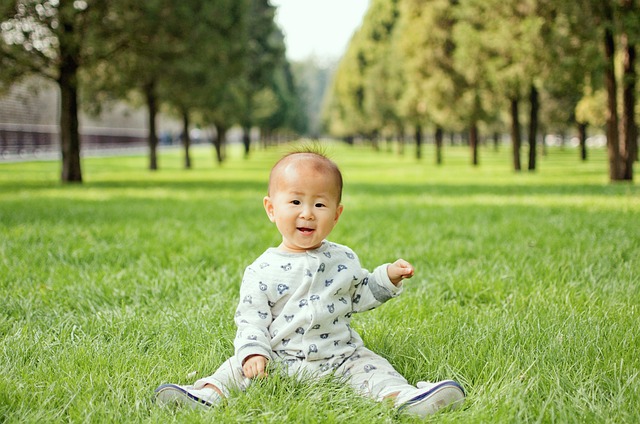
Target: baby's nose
column 306, row 212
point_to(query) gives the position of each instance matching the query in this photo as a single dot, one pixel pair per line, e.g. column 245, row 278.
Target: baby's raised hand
column 399, row 270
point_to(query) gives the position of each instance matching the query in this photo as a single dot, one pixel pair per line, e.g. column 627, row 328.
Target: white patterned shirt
column 298, row 306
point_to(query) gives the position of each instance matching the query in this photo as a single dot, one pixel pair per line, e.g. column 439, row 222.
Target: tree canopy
column 472, row 65
column 218, row 62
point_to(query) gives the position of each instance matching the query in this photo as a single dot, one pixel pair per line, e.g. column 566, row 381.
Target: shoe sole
column 447, row 394
column 171, row 394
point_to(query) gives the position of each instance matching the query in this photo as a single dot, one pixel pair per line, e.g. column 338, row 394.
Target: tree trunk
column 439, row 138
column 400, row 132
column 628, row 128
column 515, row 134
column 582, row 135
column 473, row 143
column 496, row 141
column 613, row 142
column 69, row 133
column 186, row 139
column 68, row 82
column 246, row 140
column 152, row 105
column 418, row 136
column 219, row 142
column 533, row 126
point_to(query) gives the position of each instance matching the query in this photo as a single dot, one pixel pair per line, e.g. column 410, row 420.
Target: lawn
column 527, row 286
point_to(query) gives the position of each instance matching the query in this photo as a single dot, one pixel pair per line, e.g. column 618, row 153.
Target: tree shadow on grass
column 464, row 190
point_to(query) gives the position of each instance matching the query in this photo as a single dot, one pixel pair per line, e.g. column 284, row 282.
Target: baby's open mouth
column 305, row 229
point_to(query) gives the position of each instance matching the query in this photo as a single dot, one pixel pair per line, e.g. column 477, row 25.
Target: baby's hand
column 399, row 270
column 255, row 366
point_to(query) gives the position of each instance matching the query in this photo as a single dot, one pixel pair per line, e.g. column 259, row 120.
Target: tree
column 264, row 52
column 196, row 80
column 575, row 65
column 459, row 63
column 433, row 86
column 618, row 20
column 382, row 81
column 55, row 39
column 345, row 102
column 287, row 111
column 629, row 38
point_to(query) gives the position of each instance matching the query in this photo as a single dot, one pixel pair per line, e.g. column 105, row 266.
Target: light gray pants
column 365, row 371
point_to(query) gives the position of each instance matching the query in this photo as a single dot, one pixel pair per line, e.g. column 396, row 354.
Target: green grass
column 527, row 288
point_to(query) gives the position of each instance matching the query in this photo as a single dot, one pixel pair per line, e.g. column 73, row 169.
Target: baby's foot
column 172, row 394
column 429, row 398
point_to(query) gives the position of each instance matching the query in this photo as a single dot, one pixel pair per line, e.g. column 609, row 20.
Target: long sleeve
column 372, row 289
column 300, row 305
column 253, row 318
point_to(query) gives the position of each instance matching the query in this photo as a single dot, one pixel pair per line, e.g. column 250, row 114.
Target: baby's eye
column 295, row 202
column 319, row 205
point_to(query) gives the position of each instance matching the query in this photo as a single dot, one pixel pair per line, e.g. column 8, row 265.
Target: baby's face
column 304, row 206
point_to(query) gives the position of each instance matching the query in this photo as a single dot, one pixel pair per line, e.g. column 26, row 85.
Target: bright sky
column 320, row 28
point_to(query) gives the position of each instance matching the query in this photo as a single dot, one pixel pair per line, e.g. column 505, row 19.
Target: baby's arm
column 399, row 270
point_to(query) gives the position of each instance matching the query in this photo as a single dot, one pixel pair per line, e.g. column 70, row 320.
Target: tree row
column 493, row 66
column 218, row 63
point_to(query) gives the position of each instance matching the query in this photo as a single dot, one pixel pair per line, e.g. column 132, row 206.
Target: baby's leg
column 206, row 392
column 229, row 376
column 372, row 375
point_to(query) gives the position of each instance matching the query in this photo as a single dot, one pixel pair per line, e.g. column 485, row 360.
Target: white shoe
column 172, row 394
column 429, row 398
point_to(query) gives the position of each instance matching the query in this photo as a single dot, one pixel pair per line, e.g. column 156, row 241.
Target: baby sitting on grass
column 297, row 300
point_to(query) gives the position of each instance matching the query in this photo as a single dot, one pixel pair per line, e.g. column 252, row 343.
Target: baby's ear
column 339, row 212
column 268, row 207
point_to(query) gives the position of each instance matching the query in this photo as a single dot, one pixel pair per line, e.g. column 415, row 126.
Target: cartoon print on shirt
column 302, row 302
column 286, row 267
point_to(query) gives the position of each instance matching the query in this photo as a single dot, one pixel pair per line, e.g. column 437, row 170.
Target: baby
column 297, row 300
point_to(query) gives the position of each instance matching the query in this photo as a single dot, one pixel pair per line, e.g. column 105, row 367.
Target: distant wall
column 29, row 122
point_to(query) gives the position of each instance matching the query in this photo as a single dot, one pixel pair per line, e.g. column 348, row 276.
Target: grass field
column 527, row 286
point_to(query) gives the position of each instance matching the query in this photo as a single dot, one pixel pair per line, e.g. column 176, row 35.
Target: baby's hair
column 318, row 160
